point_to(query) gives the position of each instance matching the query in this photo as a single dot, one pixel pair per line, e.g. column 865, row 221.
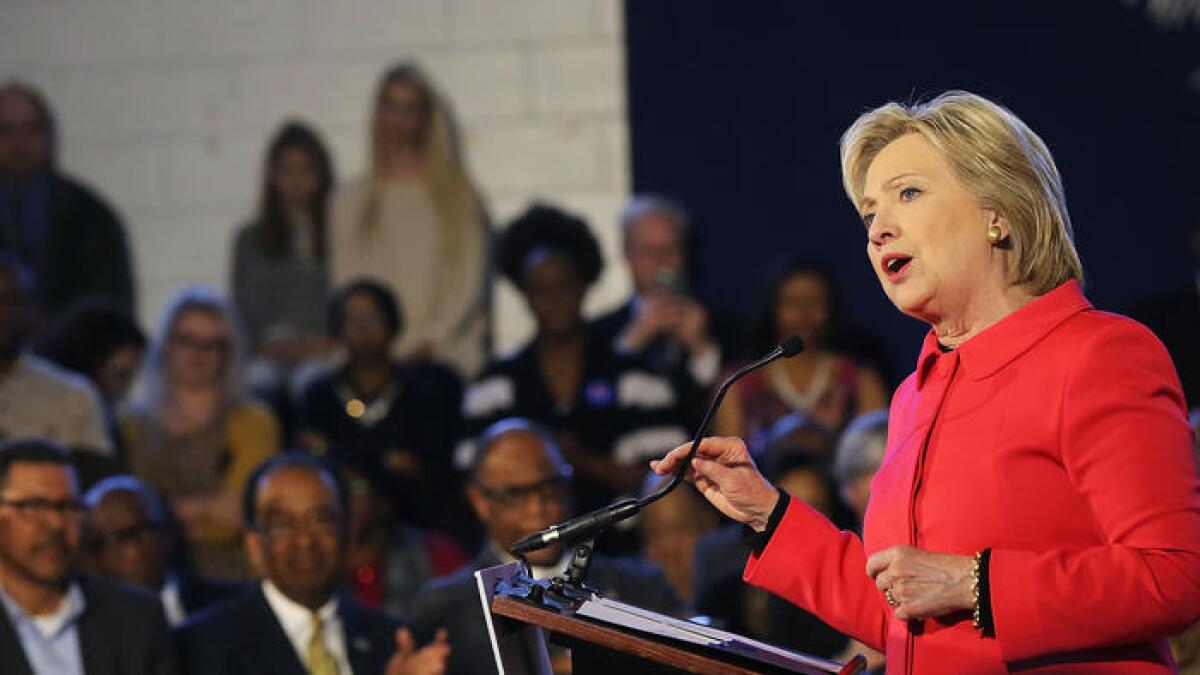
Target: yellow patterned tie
column 319, row 659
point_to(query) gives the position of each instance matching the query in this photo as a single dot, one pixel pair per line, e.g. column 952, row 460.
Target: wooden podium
column 518, row 629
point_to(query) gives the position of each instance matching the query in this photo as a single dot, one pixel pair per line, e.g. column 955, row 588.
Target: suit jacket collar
column 363, row 648
column 273, row 652
column 988, row 352
column 12, row 654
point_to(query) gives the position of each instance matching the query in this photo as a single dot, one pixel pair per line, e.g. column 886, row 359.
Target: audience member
column 519, row 485
column 37, row 398
column 294, row 621
column 663, row 324
column 390, row 559
column 722, row 553
column 53, row 620
column 671, row 528
column 98, row 339
column 416, row 221
column 129, row 535
column 608, row 411
column 396, row 421
column 192, row 435
column 279, row 284
column 859, row 454
column 752, row 611
column 59, row 228
column 829, row 386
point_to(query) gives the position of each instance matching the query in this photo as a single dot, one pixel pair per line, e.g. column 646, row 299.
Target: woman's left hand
column 922, row 585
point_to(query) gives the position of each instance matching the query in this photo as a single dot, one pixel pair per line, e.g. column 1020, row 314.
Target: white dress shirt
column 172, row 602
column 296, row 621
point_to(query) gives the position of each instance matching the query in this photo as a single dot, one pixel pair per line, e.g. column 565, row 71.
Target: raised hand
column 724, row 473
column 428, row 660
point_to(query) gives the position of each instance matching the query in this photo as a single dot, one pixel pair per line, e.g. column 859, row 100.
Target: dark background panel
column 736, row 109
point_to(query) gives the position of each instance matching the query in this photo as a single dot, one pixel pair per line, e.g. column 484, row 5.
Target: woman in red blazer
column 1037, row 508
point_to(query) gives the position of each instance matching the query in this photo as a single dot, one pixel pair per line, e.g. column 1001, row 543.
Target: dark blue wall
column 736, row 109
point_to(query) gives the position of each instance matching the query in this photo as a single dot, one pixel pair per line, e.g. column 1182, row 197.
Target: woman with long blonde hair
column 415, row 221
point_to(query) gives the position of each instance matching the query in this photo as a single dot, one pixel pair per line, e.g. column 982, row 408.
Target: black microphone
column 591, row 524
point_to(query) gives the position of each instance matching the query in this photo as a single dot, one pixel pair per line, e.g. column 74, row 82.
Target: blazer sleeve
column 1127, row 448
column 810, row 563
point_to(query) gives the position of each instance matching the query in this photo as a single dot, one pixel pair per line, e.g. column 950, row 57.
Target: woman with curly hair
column 416, row 222
column 609, row 412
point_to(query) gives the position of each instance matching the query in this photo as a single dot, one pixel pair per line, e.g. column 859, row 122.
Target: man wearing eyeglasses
column 128, row 536
column 294, row 622
column 520, row 485
column 53, row 621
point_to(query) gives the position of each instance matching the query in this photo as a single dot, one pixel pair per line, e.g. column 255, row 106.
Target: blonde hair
column 999, row 159
column 156, row 390
column 444, row 175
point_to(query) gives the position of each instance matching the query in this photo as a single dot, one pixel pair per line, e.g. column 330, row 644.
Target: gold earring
column 995, row 235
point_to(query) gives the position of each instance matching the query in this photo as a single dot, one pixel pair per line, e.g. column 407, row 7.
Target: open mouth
column 895, row 264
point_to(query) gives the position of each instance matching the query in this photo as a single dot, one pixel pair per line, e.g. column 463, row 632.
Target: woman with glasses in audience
column 192, row 434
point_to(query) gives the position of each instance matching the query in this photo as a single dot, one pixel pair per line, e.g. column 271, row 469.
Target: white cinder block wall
column 166, row 106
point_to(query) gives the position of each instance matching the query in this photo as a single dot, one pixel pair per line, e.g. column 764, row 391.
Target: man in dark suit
column 65, row 233
column 293, row 622
column 129, row 535
column 519, row 485
column 663, row 324
column 51, row 620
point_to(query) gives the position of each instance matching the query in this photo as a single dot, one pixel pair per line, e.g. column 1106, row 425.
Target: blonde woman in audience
column 415, row 221
column 191, row 434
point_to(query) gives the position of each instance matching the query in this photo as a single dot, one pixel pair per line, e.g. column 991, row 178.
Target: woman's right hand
column 724, row 473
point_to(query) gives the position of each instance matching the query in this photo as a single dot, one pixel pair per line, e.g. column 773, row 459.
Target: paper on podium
column 636, row 618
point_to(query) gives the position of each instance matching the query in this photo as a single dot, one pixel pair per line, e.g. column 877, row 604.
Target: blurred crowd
column 308, row 469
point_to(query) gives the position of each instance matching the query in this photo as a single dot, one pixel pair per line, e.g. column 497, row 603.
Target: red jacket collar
column 991, row 350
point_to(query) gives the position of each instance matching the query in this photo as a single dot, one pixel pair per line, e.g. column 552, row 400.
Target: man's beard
column 28, row 573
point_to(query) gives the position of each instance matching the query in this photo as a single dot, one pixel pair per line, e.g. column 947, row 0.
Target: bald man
column 520, row 485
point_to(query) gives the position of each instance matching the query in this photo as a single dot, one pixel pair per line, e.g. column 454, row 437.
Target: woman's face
column 927, row 235
column 802, row 307
column 554, row 292
column 296, row 179
column 402, row 115
column 197, row 350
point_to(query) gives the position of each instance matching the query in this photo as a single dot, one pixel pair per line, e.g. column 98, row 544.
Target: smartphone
column 670, row 279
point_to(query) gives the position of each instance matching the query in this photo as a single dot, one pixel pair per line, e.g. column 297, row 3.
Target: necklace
column 807, row 399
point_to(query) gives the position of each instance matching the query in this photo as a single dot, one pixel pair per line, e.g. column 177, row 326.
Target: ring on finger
column 891, row 599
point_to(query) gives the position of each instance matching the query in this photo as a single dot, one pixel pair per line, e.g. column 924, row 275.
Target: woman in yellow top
column 191, row 434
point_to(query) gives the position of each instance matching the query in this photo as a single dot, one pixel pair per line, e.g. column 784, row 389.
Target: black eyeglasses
column 124, row 535
column 320, row 521
column 37, row 507
column 215, row 345
column 551, row 489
